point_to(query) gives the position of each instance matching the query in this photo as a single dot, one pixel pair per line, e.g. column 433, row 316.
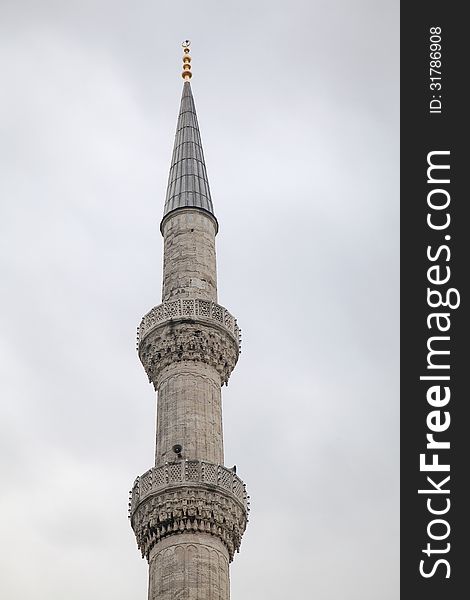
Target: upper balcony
column 189, row 308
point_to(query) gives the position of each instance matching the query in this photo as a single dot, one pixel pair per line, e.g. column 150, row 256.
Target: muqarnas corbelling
column 189, row 509
column 188, row 340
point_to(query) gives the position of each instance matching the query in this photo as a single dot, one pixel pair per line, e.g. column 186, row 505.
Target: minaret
column 188, row 512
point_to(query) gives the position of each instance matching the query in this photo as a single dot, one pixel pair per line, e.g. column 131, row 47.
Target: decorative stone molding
column 185, row 339
column 188, row 496
column 192, row 308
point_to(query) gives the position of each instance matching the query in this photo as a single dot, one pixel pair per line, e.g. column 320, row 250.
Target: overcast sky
column 298, row 107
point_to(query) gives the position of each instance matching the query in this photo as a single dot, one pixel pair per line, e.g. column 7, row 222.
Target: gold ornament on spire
column 186, row 74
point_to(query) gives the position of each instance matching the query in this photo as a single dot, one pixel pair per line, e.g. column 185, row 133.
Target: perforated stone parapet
column 188, row 496
column 187, row 472
column 195, row 308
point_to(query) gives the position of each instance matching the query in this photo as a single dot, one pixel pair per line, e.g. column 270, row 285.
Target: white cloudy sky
column 298, row 108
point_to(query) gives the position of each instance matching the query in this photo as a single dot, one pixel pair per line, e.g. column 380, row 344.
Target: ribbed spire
column 187, row 183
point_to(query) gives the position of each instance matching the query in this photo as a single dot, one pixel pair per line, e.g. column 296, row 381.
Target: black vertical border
column 421, row 133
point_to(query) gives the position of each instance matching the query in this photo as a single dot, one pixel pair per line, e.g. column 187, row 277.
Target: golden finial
column 186, row 74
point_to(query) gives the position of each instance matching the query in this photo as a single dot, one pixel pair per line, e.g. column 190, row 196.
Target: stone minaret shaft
column 189, row 512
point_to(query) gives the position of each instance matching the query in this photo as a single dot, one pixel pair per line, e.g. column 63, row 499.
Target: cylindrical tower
column 188, row 512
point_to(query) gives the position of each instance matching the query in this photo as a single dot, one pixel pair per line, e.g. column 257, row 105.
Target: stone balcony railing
column 188, row 308
column 186, row 473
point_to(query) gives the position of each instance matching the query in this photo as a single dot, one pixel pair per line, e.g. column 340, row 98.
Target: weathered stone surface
column 189, row 263
column 189, row 414
column 189, row 566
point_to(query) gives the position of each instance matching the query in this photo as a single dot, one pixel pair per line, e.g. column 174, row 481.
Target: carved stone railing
column 187, row 472
column 191, row 308
column 188, row 496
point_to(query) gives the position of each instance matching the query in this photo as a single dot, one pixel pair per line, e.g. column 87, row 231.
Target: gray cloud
column 298, row 108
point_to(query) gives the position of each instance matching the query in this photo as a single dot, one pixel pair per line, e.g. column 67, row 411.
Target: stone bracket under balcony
column 188, row 496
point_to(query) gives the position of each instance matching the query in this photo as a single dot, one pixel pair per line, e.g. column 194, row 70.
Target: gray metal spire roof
column 187, row 183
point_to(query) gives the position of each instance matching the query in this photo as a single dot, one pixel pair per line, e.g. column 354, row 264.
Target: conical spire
column 187, row 183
